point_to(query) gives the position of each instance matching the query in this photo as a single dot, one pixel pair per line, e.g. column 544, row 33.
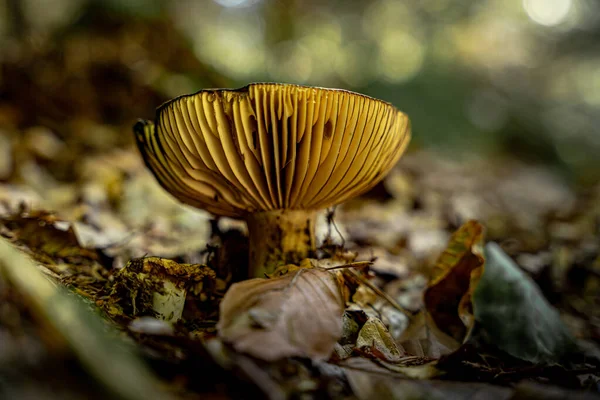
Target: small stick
column 381, row 293
column 355, row 264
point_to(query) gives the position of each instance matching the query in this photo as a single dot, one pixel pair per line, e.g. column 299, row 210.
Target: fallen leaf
column 375, row 340
column 46, row 236
column 364, row 296
column 535, row 391
column 374, row 383
column 352, row 321
column 454, row 278
column 422, row 338
column 515, row 314
column 298, row 314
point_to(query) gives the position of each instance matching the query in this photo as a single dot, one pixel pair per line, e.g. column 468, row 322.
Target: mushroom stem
column 279, row 237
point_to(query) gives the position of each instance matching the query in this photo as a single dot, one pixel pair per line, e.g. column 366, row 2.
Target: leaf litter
column 411, row 294
column 426, row 343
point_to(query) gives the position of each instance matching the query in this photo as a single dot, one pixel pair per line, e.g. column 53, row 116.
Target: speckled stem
column 279, row 237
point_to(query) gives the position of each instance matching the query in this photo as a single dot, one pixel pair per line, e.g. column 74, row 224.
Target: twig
column 356, row 264
column 380, row 293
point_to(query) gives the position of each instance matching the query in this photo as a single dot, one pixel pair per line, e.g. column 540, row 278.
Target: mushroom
column 273, row 155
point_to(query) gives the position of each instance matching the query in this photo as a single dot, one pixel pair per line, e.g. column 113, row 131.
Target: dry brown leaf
column 408, row 367
column 423, row 339
column 298, row 314
column 49, row 238
column 370, row 381
column 375, row 340
column 454, row 278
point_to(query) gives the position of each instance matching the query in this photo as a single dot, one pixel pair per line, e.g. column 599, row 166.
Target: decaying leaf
column 375, row 340
column 374, row 383
column 454, row 277
column 49, row 238
column 423, row 339
column 350, row 330
column 515, row 314
column 363, row 368
column 298, row 314
column 366, row 337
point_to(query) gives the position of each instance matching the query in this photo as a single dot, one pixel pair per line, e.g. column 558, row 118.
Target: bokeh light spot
column 400, row 57
column 547, row 12
column 236, row 3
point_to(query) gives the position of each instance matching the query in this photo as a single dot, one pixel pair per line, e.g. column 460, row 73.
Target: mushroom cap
column 271, row 146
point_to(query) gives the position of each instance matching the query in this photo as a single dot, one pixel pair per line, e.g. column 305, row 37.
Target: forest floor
column 456, row 277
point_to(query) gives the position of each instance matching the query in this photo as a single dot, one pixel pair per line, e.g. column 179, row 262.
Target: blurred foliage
column 518, row 76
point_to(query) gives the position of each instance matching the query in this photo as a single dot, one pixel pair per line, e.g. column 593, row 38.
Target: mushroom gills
column 273, row 155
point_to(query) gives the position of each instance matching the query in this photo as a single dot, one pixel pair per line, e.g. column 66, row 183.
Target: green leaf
column 514, row 313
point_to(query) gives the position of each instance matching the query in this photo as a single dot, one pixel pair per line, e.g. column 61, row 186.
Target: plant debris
column 448, row 299
column 159, row 287
column 297, row 314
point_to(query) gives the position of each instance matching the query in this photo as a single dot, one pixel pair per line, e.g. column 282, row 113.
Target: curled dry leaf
column 298, row 314
column 423, row 339
column 448, row 298
column 374, row 382
column 375, row 340
column 47, row 237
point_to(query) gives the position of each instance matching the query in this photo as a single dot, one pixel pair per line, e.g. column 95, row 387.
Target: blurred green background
column 477, row 78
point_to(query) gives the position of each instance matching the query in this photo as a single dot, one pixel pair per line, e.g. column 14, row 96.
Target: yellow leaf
column 375, row 340
column 454, row 278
